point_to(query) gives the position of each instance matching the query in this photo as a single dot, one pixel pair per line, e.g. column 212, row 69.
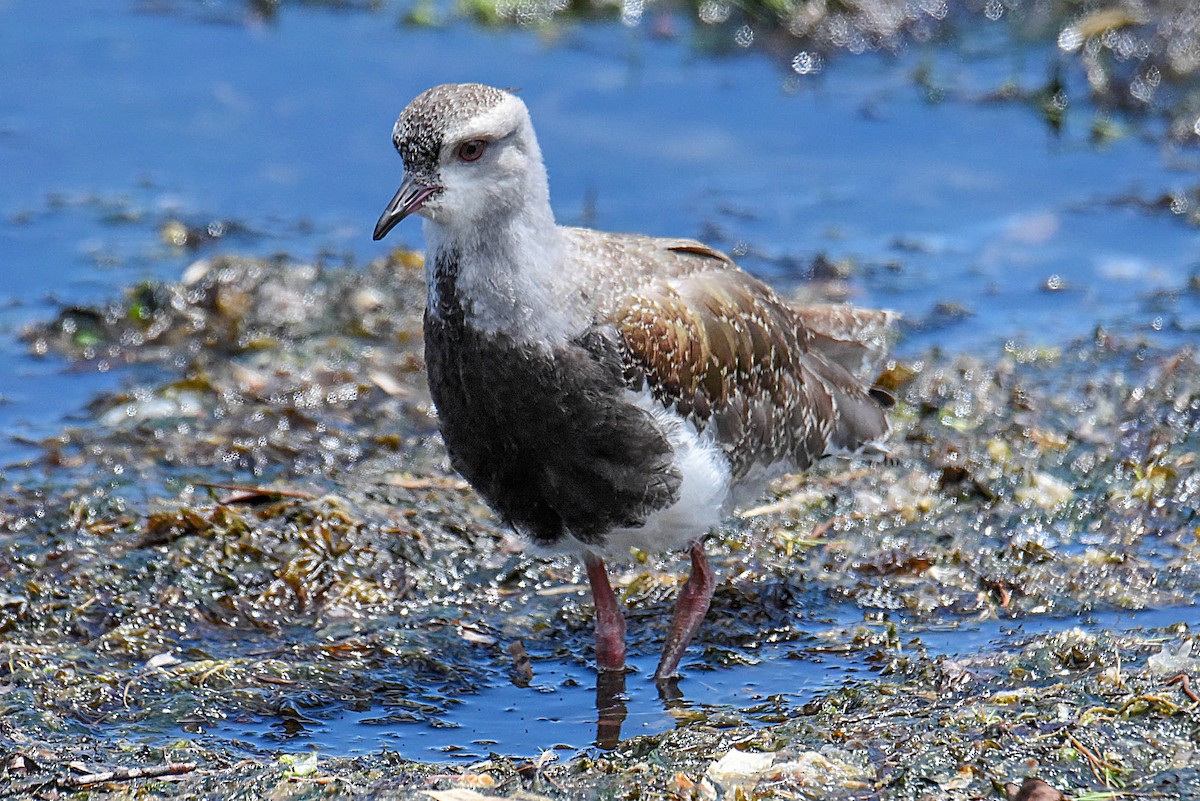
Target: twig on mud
column 246, row 493
column 1094, row 761
column 1096, row 711
column 1185, row 686
column 275, row 680
column 124, row 774
column 1171, row 708
column 220, row 667
column 427, row 482
column 1109, row 712
column 847, row 476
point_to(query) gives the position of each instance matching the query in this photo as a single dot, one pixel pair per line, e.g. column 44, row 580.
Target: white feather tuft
column 702, row 496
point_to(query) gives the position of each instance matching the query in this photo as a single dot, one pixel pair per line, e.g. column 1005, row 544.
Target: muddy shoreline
column 343, row 565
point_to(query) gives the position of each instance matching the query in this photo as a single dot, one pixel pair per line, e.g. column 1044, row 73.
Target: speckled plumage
column 546, row 438
column 604, row 390
column 420, row 131
column 722, row 349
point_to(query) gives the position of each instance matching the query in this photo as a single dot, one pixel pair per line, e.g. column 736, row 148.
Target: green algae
column 137, row 596
column 343, row 565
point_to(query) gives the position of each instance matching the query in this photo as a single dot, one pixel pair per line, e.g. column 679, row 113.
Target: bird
column 604, row 391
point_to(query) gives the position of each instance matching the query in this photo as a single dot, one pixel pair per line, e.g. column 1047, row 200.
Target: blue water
column 559, row 709
column 110, row 112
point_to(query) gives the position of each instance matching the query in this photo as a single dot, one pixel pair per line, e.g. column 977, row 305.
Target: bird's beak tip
column 409, row 198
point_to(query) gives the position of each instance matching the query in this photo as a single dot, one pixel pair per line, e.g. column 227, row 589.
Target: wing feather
column 722, row 349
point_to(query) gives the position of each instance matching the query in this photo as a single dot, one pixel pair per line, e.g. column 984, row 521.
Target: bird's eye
column 472, row 149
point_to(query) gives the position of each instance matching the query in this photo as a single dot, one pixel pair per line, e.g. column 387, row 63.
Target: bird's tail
column 849, row 345
column 856, row 339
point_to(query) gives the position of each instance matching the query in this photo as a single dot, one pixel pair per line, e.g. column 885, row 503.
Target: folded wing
column 723, row 350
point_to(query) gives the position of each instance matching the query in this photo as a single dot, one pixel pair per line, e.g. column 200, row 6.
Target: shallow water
column 957, row 213
column 559, row 711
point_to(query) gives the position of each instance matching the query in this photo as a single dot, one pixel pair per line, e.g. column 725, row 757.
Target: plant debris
column 254, row 527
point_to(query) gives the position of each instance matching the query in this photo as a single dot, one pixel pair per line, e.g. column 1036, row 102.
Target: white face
column 487, row 169
column 474, row 171
column 484, row 167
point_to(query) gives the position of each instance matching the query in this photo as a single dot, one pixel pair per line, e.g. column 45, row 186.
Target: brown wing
column 857, row 339
column 724, row 350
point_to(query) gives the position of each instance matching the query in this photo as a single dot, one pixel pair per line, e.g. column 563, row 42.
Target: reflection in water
column 612, row 704
column 670, row 694
column 552, row 711
column 611, row 707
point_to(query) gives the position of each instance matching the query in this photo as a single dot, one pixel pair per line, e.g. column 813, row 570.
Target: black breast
column 547, row 438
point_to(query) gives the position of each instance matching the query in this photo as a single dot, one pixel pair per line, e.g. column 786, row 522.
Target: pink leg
column 689, row 612
column 610, row 623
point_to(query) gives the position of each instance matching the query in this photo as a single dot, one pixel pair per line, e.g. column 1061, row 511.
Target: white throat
column 513, row 276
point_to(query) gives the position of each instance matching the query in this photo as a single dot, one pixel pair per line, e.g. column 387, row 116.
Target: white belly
column 703, row 493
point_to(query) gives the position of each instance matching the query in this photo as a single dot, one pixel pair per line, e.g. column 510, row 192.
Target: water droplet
column 805, row 63
column 712, row 12
column 632, row 11
column 1070, row 39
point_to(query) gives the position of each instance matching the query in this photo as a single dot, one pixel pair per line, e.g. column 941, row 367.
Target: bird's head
column 470, row 158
